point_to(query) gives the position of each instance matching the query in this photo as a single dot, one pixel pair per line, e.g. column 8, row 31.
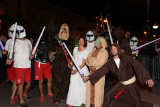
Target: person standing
column 90, row 41
column 22, row 64
column 61, row 71
column 42, row 67
column 77, row 88
column 96, row 59
column 10, row 68
column 125, row 92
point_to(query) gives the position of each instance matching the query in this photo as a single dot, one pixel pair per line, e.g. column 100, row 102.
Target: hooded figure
column 126, row 69
column 60, row 69
column 98, row 56
column 119, row 34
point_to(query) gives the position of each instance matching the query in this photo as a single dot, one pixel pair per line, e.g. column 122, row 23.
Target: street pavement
column 151, row 95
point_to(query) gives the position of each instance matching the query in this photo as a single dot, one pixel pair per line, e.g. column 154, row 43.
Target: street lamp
column 155, row 26
column 145, row 32
column 154, row 35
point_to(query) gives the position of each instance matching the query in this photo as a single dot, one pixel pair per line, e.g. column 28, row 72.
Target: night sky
column 122, row 12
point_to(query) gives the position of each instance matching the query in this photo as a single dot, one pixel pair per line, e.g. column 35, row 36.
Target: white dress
column 77, row 88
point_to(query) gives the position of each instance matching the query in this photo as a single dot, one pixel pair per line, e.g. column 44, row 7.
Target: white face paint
column 133, row 41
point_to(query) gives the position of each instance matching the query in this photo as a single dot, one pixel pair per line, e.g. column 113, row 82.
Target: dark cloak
column 127, row 69
column 61, row 71
column 122, row 40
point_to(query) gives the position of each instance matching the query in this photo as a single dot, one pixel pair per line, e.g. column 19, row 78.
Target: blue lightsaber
column 2, row 47
column 145, row 44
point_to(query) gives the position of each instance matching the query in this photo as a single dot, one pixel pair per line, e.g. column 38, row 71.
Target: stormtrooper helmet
column 11, row 30
column 133, row 41
column 90, row 36
column 20, row 32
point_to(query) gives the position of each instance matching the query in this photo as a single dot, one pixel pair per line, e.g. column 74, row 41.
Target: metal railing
column 152, row 65
column 156, row 69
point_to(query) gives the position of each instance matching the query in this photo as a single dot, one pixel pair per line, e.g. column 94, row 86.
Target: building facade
column 34, row 14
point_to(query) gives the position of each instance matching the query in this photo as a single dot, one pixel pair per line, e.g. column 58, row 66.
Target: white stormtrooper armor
column 11, row 30
column 21, row 33
column 90, row 41
column 133, row 44
column 90, row 36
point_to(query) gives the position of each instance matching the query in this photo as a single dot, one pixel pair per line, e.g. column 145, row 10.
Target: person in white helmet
column 90, row 41
column 133, row 44
column 22, row 64
column 10, row 69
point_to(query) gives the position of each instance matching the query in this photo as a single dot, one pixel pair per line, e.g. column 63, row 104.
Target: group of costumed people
column 76, row 73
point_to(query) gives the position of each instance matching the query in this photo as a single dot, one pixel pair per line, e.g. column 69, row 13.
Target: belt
column 130, row 81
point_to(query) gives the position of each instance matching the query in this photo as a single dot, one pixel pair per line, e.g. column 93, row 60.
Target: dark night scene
column 99, row 53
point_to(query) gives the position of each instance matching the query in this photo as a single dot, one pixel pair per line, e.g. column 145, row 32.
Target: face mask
column 97, row 42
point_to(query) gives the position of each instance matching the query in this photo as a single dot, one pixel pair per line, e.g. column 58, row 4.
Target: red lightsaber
column 116, row 96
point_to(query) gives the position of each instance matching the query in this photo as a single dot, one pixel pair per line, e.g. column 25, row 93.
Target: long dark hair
column 120, row 53
column 85, row 42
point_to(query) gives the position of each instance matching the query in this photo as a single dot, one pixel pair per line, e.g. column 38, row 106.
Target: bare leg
column 49, row 84
column 27, row 87
column 41, row 87
column 20, row 92
column 14, row 89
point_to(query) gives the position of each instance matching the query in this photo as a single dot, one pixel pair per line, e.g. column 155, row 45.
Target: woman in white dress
column 77, row 88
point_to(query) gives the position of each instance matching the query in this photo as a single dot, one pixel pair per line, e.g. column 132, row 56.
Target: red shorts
column 10, row 72
column 22, row 75
column 42, row 69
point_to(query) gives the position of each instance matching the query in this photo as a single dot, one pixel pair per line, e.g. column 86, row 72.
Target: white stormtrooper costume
column 10, row 35
column 133, row 44
column 90, row 41
column 20, row 31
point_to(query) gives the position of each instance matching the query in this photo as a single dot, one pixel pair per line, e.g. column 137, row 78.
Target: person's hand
column 85, row 78
column 8, row 62
column 31, row 57
column 70, row 66
column 51, row 56
column 4, row 52
column 73, row 72
column 150, row 82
